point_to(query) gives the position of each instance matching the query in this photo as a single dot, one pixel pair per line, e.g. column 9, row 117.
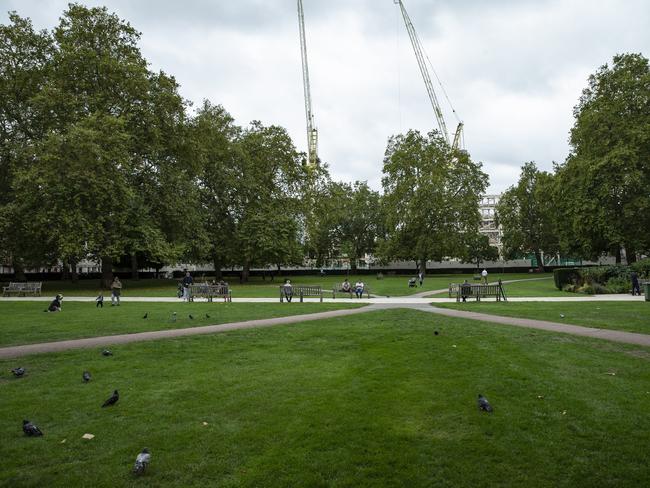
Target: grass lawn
column 627, row 316
column 25, row 322
column 368, row 400
column 392, row 285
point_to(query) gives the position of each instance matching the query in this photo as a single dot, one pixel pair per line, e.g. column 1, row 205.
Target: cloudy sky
column 513, row 69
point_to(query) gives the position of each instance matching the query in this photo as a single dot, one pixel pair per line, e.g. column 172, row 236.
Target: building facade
column 488, row 227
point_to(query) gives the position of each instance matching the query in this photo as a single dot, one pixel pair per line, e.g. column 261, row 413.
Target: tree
column 478, row 249
column 431, row 198
column 604, row 183
column 361, row 220
column 526, row 213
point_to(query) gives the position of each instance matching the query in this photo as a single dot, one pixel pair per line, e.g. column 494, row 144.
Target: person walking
column 187, row 281
column 484, row 275
column 636, row 288
column 116, row 291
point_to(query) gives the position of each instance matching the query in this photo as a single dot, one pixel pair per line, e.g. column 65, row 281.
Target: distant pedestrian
column 116, row 291
column 465, row 289
column 358, row 288
column 484, row 275
column 187, row 282
column 636, row 288
column 420, row 277
column 100, row 300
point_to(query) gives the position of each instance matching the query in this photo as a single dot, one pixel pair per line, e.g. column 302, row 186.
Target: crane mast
column 419, row 55
column 312, row 132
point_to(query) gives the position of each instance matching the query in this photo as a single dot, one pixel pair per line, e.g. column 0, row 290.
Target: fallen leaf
column 564, row 412
column 453, row 345
column 205, row 423
column 63, row 441
column 611, row 374
column 87, row 436
column 541, row 397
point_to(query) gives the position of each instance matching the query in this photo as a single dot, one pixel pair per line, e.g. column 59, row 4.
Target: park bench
column 338, row 288
column 303, row 291
column 23, row 289
column 470, row 290
column 209, row 291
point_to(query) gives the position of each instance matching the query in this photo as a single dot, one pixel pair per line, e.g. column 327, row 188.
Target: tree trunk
column 19, row 270
column 422, row 268
column 353, row 265
column 73, row 271
column 630, row 255
column 218, row 274
column 65, row 270
column 245, row 273
column 135, row 274
column 618, row 255
column 107, row 271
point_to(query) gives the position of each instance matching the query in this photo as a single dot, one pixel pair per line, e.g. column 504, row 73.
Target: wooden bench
column 302, row 291
column 470, row 290
column 23, row 289
column 209, row 291
column 338, row 288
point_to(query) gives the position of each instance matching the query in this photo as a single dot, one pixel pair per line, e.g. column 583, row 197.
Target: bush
column 566, row 276
column 602, row 274
column 588, row 289
column 642, row 267
column 619, row 285
column 570, row 288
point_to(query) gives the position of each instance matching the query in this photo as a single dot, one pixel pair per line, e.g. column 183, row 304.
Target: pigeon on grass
column 18, row 372
column 146, row 315
column 142, row 461
column 483, row 404
column 106, row 352
column 112, row 400
column 31, row 430
column 86, row 376
column 207, row 316
column 191, row 317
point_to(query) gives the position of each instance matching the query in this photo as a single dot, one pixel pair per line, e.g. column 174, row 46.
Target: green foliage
column 619, row 284
column 431, row 198
column 642, row 267
column 566, row 276
column 602, row 274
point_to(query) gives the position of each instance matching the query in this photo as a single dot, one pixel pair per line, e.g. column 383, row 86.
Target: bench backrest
column 304, row 290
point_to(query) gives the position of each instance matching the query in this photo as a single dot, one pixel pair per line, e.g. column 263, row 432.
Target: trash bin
column 646, row 287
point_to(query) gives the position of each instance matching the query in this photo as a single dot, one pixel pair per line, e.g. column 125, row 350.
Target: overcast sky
column 513, row 69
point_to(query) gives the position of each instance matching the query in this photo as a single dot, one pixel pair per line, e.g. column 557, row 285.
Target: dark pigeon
column 207, row 316
column 142, row 461
column 106, row 352
column 86, row 376
column 483, row 404
column 146, row 315
column 436, row 332
column 191, row 317
column 30, row 429
column 18, row 372
column 112, row 400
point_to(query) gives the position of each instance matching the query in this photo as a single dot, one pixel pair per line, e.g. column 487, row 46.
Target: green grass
column 368, row 400
column 626, row 316
column 25, row 322
column 392, row 285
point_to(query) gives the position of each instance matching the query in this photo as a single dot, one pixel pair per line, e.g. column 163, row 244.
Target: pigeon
column 483, row 404
column 191, row 317
column 146, row 315
column 562, row 315
column 142, row 461
column 112, row 400
column 86, row 376
column 207, row 316
column 18, row 372
column 106, row 352
column 436, row 332
column 31, row 430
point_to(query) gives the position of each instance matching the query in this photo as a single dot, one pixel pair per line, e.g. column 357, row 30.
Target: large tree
column 527, row 215
column 603, row 186
column 361, row 221
column 431, row 198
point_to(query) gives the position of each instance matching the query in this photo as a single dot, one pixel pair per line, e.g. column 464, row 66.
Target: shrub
column 602, row 274
column 570, row 288
column 588, row 289
column 566, row 276
column 618, row 285
column 642, row 267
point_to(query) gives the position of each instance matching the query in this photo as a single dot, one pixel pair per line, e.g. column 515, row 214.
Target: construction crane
column 420, row 56
column 312, row 132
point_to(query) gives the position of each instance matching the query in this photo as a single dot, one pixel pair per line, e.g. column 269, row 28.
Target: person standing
column 187, row 281
column 100, row 300
column 287, row 289
column 421, row 277
column 484, row 275
column 636, row 288
column 116, row 291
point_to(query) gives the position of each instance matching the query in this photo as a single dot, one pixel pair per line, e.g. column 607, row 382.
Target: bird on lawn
column 112, row 400
column 436, row 332
column 142, row 461
column 146, row 315
column 561, row 315
column 191, row 317
column 106, row 352
column 31, row 430
column 483, row 404
column 18, row 372
column 207, row 316
column 86, row 376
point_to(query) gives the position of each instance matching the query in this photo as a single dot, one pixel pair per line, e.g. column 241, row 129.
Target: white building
column 488, row 227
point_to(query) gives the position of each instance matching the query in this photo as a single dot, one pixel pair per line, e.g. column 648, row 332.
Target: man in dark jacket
column 187, row 281
column 55, row 306
column 636, row 289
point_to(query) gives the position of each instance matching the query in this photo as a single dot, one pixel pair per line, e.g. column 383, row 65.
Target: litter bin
column 646, row 287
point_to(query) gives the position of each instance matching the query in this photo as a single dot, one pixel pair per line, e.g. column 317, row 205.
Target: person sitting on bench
column 346, row 286
column 287, row 288
column 358, row 289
